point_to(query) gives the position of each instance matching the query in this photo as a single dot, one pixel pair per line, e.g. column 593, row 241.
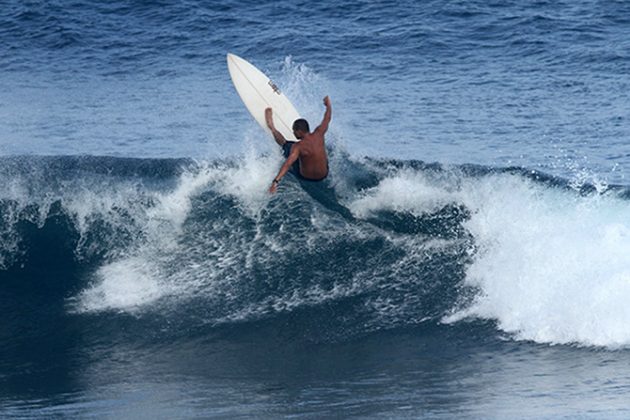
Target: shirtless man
column 309, row 154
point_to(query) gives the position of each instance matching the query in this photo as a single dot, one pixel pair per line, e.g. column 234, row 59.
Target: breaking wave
column 379, row 245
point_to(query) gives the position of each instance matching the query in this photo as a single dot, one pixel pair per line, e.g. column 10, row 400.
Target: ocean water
column 468, row 257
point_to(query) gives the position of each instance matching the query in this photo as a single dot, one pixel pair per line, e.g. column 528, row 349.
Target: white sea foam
column 9, row 239
column 406, row 190
column 140, row 276
column 552, row 265
column 125, row 285
column 161, row 262
column 305, row 88
column 248, row 181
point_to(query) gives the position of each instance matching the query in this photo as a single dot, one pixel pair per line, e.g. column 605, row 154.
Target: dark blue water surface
column 467, row 257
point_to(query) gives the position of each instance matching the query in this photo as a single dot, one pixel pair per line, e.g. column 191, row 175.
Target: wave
column 379, row 245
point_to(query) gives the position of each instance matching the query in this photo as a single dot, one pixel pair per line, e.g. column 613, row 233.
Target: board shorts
column 295, row 168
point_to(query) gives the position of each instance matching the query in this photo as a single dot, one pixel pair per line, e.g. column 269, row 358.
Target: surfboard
column 258, row 93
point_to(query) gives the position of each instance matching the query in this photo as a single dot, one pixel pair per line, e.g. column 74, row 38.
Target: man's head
column 300, row 128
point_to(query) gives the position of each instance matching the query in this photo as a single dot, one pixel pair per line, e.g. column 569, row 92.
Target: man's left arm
column 323, row 127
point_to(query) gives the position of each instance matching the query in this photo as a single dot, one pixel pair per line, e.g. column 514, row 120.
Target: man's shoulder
column 316, row 136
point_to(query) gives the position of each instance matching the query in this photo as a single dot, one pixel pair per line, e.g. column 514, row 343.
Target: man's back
column 313, row 158
column 309, row 154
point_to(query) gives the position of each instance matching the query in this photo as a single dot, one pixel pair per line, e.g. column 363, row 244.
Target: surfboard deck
column 258, row 93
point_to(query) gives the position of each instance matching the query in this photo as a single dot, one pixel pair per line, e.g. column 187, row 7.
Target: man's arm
column 278, row 137
column 293, row 156
column 323, row 127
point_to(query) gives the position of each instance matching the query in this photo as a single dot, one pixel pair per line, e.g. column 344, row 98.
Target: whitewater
column 541, row 257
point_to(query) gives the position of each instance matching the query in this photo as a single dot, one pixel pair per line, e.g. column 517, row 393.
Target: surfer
column 308, row 156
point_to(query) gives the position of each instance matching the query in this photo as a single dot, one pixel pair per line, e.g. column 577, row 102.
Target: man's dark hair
column 301, row 125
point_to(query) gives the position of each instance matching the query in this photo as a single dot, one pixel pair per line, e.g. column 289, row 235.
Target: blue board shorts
column 295, row 168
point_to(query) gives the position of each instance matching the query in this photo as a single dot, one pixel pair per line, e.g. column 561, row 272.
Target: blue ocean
column 467, row 257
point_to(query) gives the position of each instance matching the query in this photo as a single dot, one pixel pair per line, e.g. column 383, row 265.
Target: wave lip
column 552, row 265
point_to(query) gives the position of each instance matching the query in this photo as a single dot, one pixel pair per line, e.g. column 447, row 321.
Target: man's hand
column 277, row 136
column 269, row 118
column 323, row 127
column 273, row 188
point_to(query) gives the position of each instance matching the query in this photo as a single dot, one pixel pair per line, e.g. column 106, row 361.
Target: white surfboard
column 258, row 92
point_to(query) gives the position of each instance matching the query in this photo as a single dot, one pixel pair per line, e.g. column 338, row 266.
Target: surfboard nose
column 258, row 93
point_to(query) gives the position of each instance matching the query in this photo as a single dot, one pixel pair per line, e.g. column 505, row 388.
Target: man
column 309, row 154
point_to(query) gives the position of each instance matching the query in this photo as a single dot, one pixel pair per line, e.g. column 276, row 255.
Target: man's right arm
column 278, row 137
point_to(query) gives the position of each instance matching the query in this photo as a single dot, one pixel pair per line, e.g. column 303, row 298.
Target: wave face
column 380, row 245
